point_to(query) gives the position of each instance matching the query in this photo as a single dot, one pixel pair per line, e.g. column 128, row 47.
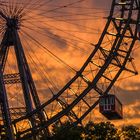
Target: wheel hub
column 13, row 23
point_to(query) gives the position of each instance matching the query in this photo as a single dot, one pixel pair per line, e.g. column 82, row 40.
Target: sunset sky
column 70, row 40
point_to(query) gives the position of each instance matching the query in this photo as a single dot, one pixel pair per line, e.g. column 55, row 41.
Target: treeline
column 95, row 131
column 91, row 131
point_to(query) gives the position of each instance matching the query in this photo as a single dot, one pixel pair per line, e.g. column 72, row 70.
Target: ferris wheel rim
column 75, row 76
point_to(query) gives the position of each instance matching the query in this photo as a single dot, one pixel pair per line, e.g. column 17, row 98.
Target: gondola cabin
column 110, row 107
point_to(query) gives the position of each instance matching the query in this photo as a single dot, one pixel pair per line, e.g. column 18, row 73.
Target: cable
column 41, row 72
column 49, row 52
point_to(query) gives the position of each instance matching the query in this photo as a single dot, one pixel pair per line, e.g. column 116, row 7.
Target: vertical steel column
column 5, row 110
column 24, row 78
column 27, row 81
column 20, row 62
column 3, row 96
column 11, row 38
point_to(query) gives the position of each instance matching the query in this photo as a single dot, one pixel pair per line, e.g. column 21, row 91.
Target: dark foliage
column 63, row 132
column 91, row 131
column 101, row 131
column 130, row 133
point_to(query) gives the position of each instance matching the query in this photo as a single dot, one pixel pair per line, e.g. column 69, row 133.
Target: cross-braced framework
column 76, row 99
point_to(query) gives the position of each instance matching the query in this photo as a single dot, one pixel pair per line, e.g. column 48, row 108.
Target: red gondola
column 110, row 107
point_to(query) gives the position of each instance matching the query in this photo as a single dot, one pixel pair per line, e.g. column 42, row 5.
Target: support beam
column 5, row 110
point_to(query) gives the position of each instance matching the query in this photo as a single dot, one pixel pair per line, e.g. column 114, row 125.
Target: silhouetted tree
column 100, row 131
column 64, row 132
column 91, row 131
column 130, row 133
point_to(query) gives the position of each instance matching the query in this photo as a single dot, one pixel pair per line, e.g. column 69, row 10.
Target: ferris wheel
column 56, row 66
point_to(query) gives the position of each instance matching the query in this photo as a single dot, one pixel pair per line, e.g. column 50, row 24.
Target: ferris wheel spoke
column 48, row 51
column 32, row 59
column 56, row 28
column 44, row 72
column 63, row 104
column 68, row 40
column 41, row 3
column 64, row 30
column 55, row 9
column 58, row 14
column 65, row 6
column 34, row 5
column 65, row 21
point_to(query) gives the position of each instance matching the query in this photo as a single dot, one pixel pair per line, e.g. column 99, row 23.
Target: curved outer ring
column 92, row 84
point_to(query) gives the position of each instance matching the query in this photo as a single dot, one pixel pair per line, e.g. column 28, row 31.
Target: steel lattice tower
column 11, row 39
